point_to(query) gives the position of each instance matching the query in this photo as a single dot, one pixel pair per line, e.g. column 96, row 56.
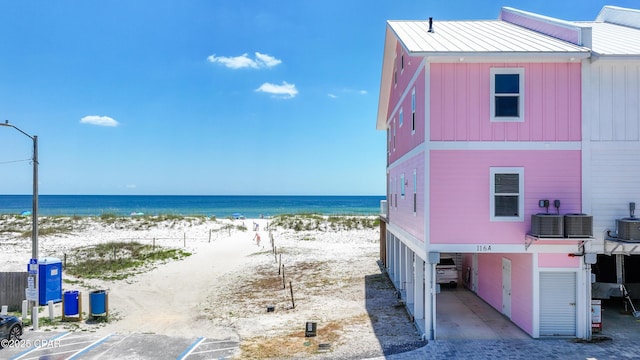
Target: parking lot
column 83, row 345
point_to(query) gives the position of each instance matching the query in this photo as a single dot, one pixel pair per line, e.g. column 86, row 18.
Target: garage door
column 557, row 304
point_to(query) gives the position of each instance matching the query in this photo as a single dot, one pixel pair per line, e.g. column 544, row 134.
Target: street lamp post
column 34, row 211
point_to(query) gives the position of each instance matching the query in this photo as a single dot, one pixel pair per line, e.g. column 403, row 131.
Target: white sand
column 210, row 294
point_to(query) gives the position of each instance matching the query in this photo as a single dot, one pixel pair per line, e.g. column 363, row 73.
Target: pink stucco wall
column 490, row 285
column 459, row 208
column 461, row 95
column 402, row 214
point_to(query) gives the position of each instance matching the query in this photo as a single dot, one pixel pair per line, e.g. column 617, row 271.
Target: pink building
column 489, row 162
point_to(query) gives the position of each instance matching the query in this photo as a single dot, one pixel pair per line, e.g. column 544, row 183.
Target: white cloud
column 362, row 92
column 130, row 186
column 99, row 120
column 244, row 61
column 267, row 60
column 285, row 91
column 333, row 96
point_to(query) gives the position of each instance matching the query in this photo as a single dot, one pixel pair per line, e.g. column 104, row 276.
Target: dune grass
column 118, row 260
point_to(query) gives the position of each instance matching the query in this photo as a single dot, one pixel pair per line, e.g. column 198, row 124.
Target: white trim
column 520, row 95
column 505, row 145
column 585, row 92
column 409, row 240
column 506, row 170
column 414, row 152
column 535, row 312
column 503, row 57
column 503, row 248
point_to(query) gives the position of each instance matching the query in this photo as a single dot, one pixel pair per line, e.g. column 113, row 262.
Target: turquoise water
column 220, row 206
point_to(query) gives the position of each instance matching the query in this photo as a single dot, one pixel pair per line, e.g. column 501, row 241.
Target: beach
column 232, row 287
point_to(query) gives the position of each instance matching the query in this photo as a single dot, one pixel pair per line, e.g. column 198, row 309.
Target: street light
column 34, row 210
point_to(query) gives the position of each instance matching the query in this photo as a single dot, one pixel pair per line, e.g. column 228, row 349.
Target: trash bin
column 70, row 303
column 98, row 304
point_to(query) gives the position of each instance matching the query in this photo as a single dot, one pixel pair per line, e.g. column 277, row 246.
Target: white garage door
column 557, row 304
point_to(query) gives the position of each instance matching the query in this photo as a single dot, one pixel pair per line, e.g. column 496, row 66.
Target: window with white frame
column 413, row 111
column 507, row 94
column 402, row 184
column 507, row 193
column 400, row 118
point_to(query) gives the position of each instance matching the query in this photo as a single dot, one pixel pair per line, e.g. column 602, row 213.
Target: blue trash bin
column 70, row 301
column 98, row 303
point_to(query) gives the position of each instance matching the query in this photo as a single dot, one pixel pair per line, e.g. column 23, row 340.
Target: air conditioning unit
column 629, row 228
column 547, row 225
column 578, row 225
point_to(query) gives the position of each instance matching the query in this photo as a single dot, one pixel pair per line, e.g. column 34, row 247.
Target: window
column 507, row 94
column 402, row 62
column 402, row 184
column 395, row 73
column 400, row 118
column 394, row 134
column 415, row 191
column 413, row 111
column 507, row 194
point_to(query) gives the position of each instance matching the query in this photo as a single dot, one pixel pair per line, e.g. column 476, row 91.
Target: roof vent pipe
column 430, row 24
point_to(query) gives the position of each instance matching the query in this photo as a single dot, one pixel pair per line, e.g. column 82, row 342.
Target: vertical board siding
column 12, row 289
column 615, row 183
column 460, row 103
column 459, row 209
column 614, row 101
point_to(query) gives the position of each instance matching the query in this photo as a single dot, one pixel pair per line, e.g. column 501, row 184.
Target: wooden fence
column 12, row 285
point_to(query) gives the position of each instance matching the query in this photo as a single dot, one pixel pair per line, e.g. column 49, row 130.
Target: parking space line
column 213, row 350
column 190, row 349
column 34, row 348
column 88, row 348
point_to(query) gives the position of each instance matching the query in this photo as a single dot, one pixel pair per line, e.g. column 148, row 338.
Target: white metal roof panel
column 477, row 37
column 612, row 39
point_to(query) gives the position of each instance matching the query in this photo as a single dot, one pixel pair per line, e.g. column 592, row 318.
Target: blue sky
column 207, row 97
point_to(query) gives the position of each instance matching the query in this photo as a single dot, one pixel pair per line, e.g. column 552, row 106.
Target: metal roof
column 484, row 37
column 612, row 39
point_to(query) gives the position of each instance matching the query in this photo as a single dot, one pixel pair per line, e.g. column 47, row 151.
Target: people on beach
column 257, row 239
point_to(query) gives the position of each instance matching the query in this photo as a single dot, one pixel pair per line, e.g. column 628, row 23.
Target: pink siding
column 490, row 285
column 406, row 139
column 459, row 208
column 561, row 32
column 558, row 260
column 402, row 214
column 460, row 103
column 411, row 65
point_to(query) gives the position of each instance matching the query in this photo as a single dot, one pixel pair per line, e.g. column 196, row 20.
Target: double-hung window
column 507, row 94
column 507, row 193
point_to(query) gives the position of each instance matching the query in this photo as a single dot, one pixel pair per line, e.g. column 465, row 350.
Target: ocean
column 219, row 205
